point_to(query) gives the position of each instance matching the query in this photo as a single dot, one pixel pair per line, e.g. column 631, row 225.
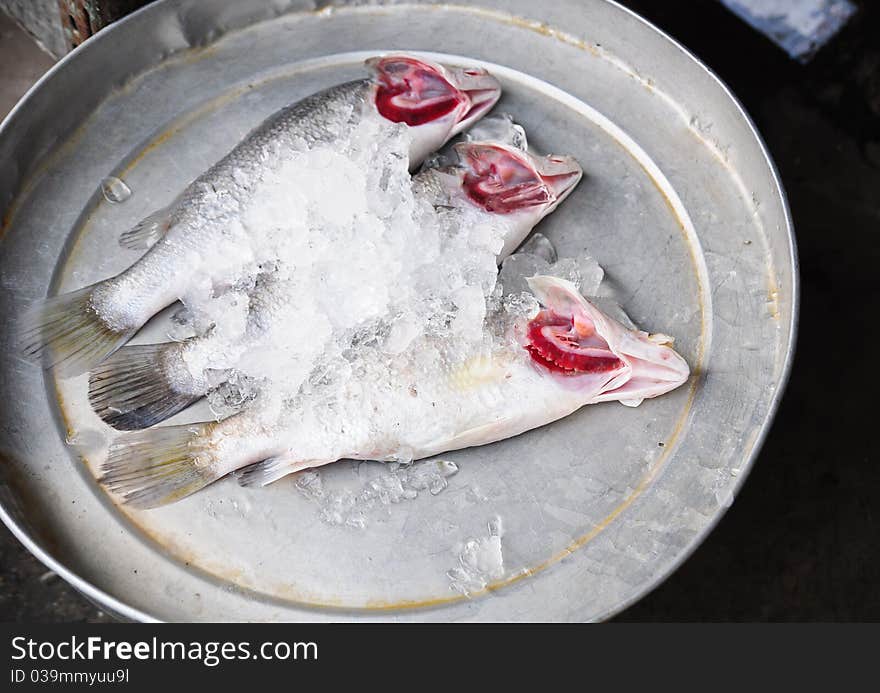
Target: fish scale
column 75, row 332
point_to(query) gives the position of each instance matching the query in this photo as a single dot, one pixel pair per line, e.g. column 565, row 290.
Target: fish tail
column 130, row 390
column 64, row 332
column 159, row 466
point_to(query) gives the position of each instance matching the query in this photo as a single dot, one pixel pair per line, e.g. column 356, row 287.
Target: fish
column 75, row 331
column 143, row 385
column 566, row 355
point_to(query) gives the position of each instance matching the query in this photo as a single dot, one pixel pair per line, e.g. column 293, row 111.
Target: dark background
column 801, row 541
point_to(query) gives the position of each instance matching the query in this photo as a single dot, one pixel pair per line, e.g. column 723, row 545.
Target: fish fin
column 158, row 466
column 271, row 469
column 65, row 333
column 631, row 402
column 144, row 235
column 129, row 390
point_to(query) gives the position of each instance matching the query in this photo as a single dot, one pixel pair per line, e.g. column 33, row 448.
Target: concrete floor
column 800, row 542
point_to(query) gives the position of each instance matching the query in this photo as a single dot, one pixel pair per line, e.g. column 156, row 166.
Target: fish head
column 593, row 356
column 515, row 184
column 436, row 101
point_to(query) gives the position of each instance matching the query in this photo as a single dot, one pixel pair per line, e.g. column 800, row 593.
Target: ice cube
column 499, row 128
column 540, row 246
column 480, row 561
column 115, row 189
column 517, row 268
column 583, row 271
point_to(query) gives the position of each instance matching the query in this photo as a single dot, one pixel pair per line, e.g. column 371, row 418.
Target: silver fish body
column 433, row 401
column 75, row 331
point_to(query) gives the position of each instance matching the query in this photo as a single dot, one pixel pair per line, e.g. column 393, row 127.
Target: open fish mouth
column 417, row 92
column 572, row 338
column 560, row 174
column 481, row 89
column 569, row 346
column 503, row 179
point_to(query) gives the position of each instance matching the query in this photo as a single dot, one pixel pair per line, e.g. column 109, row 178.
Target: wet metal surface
column 674, row 172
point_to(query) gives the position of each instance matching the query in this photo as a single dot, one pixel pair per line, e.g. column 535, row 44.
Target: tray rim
column 122, row 610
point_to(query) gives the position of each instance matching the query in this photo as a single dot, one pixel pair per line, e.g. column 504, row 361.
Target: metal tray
column 681, row 205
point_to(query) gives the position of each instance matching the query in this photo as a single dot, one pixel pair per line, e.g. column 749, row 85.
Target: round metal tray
column 680, row 204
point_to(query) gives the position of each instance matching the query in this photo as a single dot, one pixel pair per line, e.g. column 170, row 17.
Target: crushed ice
column 500, row 128
column 382, row 485
column 480, row 561
column 276, row 320
column 282, row 331
column 538, row 256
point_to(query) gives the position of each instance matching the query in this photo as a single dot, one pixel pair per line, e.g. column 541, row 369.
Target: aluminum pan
column 655, row 115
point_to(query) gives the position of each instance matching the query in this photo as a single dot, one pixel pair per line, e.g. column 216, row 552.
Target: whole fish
column 75, row 331
column 139, row 386
column 565, row 356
